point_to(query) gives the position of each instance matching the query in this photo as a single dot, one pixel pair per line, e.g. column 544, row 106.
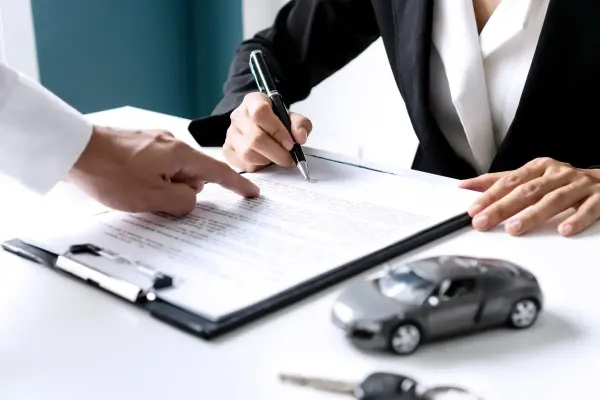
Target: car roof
column 445, row 267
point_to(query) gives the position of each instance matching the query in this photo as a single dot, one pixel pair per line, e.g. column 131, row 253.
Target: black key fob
column 387, row 386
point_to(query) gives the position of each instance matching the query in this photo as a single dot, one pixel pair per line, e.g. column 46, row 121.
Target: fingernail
column 304, row 133
column 475, row 208
column 480, row 221
column 565, row 229
column 514, row 225
column 287, row 144
column 255, row 191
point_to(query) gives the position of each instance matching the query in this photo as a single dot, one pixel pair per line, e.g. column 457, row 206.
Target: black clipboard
column 208, row 329
column 141, row 287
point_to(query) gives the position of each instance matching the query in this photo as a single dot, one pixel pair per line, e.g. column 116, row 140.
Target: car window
column 455, row 288
column 492, row 282
column 500, row 268
column 405, row 285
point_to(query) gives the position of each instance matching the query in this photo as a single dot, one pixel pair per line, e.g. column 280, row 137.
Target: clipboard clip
column 129, row 279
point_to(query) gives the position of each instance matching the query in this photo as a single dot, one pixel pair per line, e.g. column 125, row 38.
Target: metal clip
column 113, row 272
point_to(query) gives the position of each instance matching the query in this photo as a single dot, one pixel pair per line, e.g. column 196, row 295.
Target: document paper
column 231, row 252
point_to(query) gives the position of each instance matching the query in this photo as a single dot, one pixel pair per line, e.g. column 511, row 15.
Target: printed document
column 231, row 252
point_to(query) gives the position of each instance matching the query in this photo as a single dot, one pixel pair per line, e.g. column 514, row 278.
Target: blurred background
column 172, row 56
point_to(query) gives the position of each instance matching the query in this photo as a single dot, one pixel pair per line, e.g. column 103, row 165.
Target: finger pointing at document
column 256, row 137
column 150, row 171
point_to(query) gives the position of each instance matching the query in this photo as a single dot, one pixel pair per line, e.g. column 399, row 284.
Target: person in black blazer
column 502, row 94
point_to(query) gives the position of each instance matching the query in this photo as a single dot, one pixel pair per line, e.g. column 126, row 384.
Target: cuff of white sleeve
column 42, row 136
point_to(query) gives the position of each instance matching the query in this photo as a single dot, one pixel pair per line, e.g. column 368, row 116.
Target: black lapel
column 413, row 20
column 548, row 54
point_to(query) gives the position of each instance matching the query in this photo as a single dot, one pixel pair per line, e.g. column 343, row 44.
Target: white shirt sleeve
column 41, row 137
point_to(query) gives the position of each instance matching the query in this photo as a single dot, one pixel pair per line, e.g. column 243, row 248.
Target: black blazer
column 311, row 39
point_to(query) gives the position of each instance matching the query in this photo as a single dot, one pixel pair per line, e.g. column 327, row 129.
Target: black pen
column 266, row 84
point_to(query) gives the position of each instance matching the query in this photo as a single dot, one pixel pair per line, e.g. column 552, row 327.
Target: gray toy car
column 405, row 304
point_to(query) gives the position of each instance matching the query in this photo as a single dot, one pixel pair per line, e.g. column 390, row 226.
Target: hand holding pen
column 258, row 136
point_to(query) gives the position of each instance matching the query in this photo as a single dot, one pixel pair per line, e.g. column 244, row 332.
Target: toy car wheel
column 405, row 339
column 523, row 314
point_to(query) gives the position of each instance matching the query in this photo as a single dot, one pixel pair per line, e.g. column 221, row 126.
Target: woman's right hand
column 256, row 137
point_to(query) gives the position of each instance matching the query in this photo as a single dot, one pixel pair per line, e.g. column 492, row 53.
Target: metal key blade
column 450, row 393
column 327, row 385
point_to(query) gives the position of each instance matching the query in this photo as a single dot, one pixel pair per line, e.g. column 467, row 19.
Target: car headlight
column 343, row 312
column 369, row 326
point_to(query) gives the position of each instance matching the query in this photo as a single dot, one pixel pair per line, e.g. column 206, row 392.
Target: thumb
column 177, row 199
column 301, row 127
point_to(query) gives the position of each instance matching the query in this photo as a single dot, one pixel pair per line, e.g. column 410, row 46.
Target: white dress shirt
column 477, row 79
column 41, row 137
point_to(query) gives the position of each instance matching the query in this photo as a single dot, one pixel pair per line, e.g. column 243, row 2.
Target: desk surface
column 61, row 340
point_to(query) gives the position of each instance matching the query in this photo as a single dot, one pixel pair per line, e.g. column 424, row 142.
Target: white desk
column 62, row 340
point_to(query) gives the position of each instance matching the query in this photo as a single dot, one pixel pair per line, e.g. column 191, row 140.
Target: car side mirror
column 433, row 301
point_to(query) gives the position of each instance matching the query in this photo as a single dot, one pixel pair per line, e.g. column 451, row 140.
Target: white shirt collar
column 463, row 53
column 456, row 39
column 509, row 18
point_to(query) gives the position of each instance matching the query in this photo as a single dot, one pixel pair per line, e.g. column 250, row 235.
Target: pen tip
column 303, row 167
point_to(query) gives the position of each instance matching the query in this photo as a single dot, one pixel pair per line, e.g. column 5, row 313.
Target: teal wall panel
column 169, row 56
column 213, row 57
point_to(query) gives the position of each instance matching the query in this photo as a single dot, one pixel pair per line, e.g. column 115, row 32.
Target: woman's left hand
column 534, row 193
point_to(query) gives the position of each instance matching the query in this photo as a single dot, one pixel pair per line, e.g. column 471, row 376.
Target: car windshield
column 405, row 285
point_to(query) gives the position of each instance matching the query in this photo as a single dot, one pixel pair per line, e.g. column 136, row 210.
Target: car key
column 382, row 386
column 377, row 386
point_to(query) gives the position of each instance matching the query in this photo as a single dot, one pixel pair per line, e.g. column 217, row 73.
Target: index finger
column 214, row 171
column 501, row 187
column 261, row 113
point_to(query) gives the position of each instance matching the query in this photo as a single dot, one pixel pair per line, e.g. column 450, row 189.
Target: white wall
column 19, row 37
column 259, row 14
column 358, row 111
